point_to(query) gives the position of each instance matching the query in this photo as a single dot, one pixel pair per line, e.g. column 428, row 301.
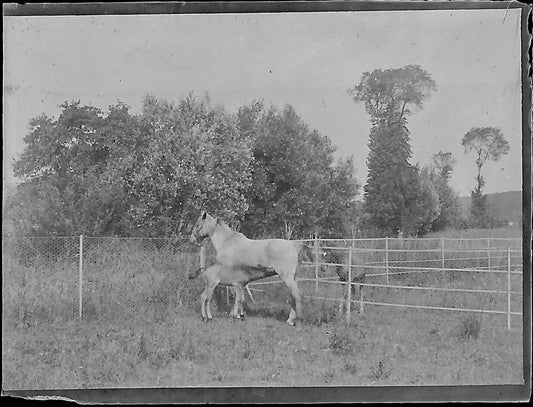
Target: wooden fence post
column 442, row 252
column 488, row 253
column 316, row 263
column 80, row 284
column 508, row 288
column 387, row 258
column 349, row 294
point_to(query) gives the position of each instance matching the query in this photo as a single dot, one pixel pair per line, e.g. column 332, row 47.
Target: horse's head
column 203, row 227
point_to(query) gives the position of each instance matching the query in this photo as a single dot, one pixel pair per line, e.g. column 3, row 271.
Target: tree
column 439, row 173
column 391, row 95
column 191, row 157
column 392, row 191
column 59, row 165
column 144, row 175
column 488, row 143
column 296, row 190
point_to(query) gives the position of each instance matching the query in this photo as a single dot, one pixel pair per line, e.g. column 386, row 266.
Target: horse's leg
column 239, row 297
column 288, row 277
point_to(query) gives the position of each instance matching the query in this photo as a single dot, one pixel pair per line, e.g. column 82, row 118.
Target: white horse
column 237, row 251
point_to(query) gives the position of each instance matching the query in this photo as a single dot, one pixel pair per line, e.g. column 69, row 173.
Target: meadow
column 179, row 351
column 141, row 327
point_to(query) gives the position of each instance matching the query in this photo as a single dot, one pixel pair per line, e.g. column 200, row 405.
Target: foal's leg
column 237, row 311
column 203, row 300
column 209, row 295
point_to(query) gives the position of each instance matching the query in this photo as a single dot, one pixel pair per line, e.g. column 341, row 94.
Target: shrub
column 470, row 327
column 341, row 341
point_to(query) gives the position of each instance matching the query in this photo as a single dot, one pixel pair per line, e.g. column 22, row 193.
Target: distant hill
column 505, row 206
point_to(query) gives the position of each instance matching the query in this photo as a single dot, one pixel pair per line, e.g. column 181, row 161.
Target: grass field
column 377, row 349
column 141, row 327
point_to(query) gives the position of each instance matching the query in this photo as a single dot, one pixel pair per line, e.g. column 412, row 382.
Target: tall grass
column 121, row 279
column 501, row 232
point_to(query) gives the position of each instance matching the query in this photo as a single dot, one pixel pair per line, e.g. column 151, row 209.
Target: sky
column 308, row 60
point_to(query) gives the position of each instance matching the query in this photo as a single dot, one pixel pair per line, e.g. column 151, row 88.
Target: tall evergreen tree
column 393, row 190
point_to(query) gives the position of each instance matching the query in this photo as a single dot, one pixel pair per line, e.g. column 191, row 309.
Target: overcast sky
column 308, row 60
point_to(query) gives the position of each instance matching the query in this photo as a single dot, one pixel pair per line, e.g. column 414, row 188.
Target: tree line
column 262, row 169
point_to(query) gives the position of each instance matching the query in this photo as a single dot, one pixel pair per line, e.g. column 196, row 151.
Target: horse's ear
column 204, row 216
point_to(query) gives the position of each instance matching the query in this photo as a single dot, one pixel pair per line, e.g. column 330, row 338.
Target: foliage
column 119, row 174
column 439, row 173
column 397, row 198
column 391, row 95
column 296, row 188
column 488, row 143
column 470, row 327
column 192, row 158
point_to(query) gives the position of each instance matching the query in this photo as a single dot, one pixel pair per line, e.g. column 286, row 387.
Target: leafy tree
column 488, row 143
column 391, row 95
column 190, row 157
column 61, row 160
column 130, row 175
column 439, row 173
column 393, row 189
column 296, row 190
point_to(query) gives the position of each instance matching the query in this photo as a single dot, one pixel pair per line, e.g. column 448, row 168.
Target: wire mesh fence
column 44, row 278
column 103, row 277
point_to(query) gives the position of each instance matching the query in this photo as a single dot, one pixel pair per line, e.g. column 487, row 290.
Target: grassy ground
column 378, row 348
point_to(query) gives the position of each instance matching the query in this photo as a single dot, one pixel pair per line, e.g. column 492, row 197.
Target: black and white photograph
column 316, row 201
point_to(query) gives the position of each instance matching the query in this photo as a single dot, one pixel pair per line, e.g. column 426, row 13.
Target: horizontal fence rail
column 397, row 259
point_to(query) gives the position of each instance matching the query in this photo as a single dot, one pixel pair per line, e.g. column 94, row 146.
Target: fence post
column 387, row 258
column 361, row 299
column 508, row 289
column 442, row 252
column 349, row 295
column 488, row 253
column 316, row 263
column 80, row 284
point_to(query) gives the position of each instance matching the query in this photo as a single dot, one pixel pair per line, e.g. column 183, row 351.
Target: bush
column 470, row 327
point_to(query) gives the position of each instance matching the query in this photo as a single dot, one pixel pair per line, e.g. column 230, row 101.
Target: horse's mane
column 221, row 223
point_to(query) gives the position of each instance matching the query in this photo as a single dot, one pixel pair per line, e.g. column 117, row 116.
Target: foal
column 341, row 259
column 237, row 277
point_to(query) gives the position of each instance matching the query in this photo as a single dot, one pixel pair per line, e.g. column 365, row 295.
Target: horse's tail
column 305, row 252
